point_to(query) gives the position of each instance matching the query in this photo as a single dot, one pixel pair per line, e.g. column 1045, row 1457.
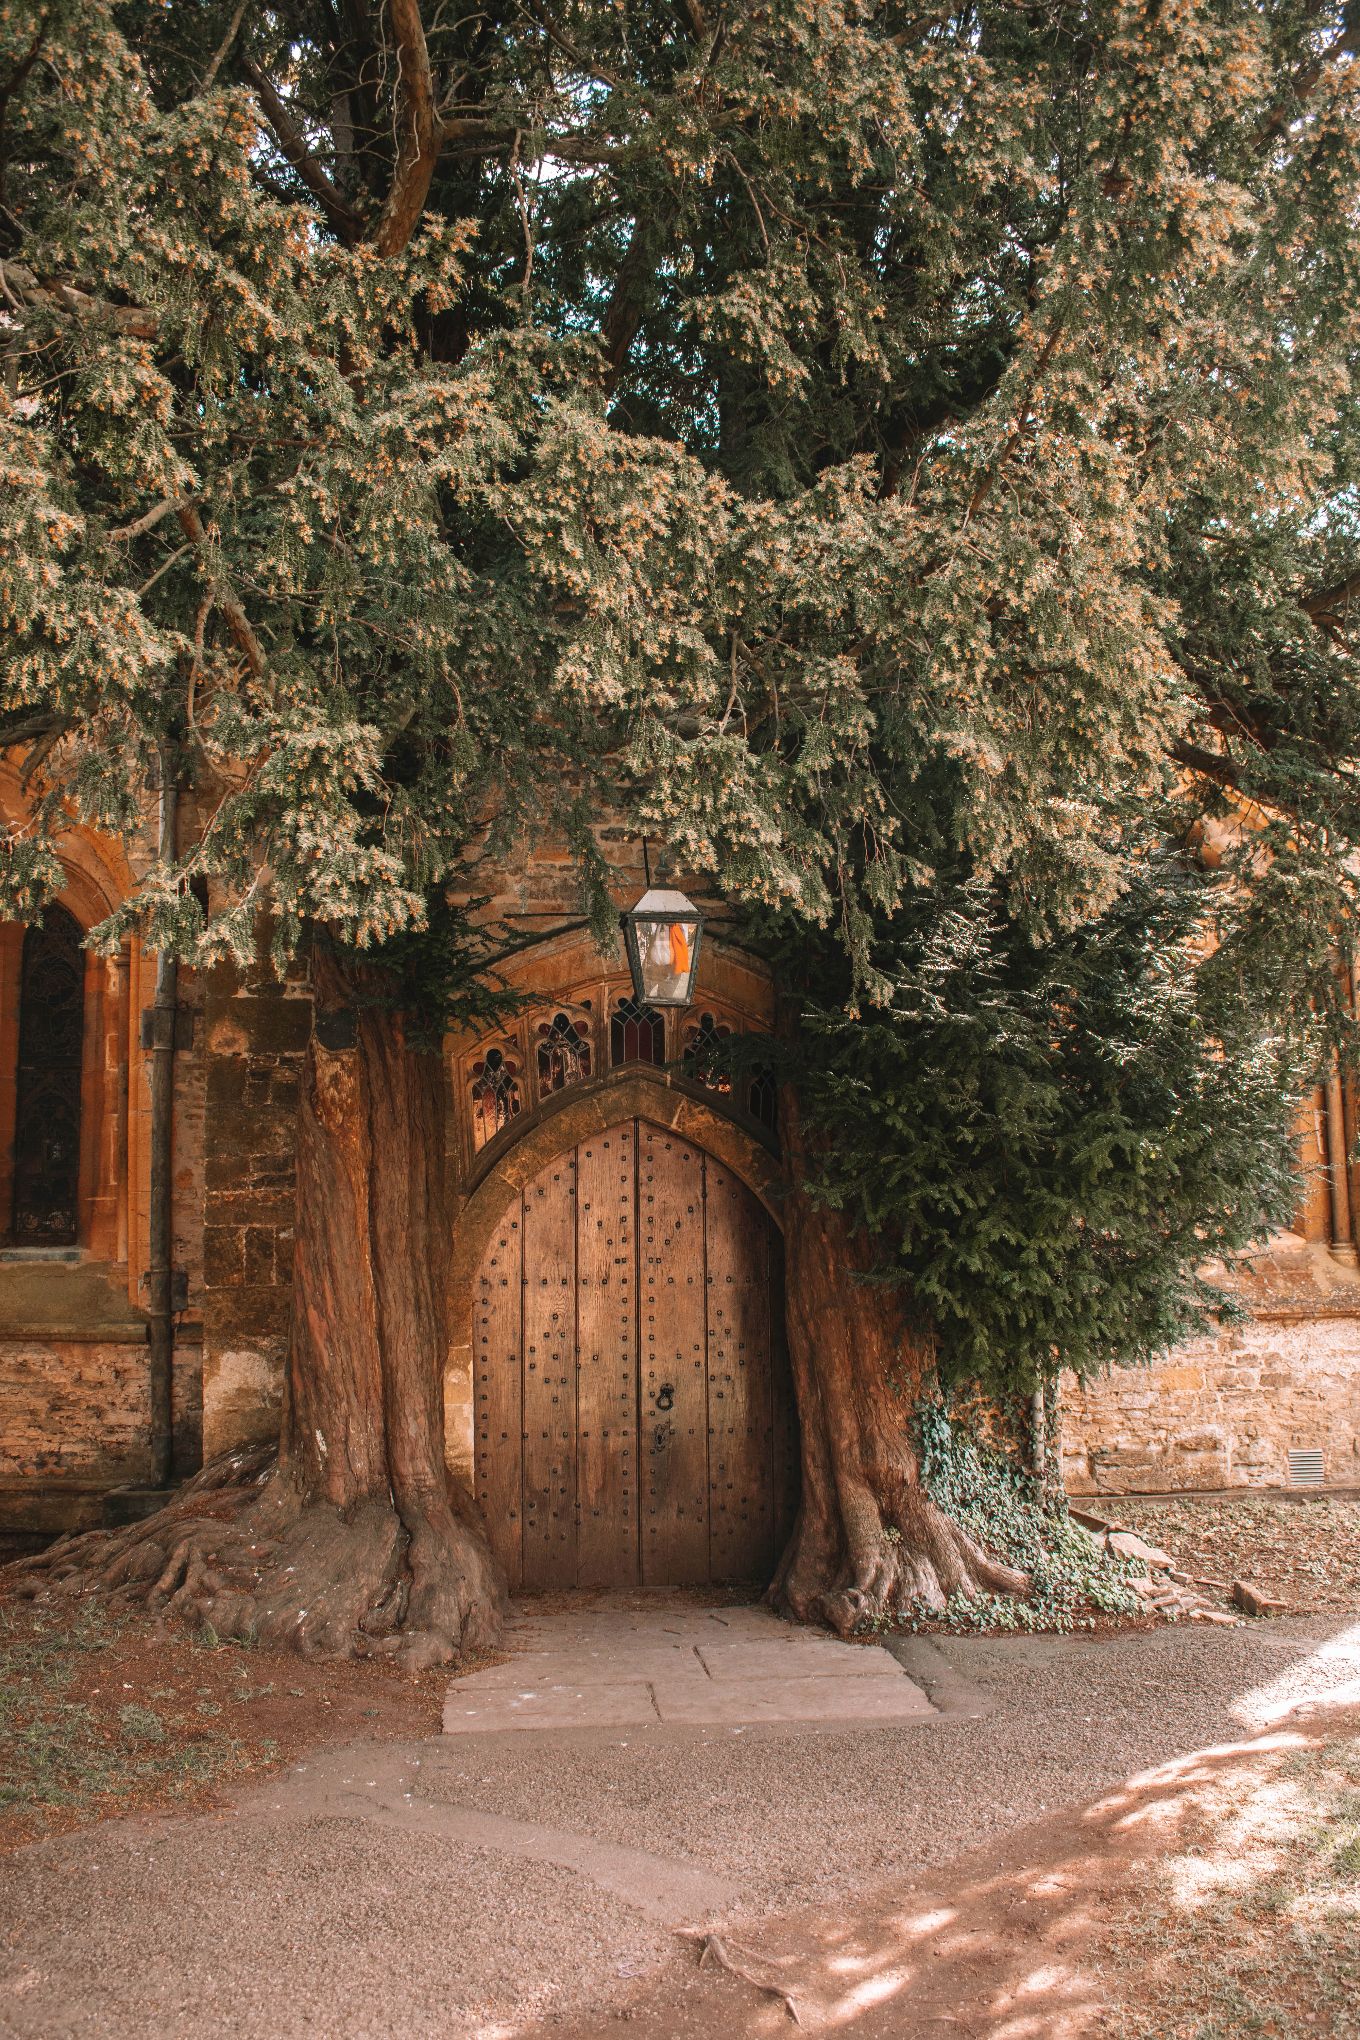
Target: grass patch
column 67, row 1743
column 1252, row 1926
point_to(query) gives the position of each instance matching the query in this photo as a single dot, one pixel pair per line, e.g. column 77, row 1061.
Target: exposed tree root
column 752, row 1969
column 238, row 1550
column 892, row 1562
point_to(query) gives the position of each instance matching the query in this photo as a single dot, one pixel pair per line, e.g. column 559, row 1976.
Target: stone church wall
column 1222, row 1412
column 256, row 1035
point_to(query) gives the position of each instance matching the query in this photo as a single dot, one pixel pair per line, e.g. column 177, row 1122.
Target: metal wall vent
column 1305, row 1467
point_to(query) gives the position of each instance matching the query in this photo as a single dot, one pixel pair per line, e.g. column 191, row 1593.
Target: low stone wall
column 1221, row 1412
column 75, row 1421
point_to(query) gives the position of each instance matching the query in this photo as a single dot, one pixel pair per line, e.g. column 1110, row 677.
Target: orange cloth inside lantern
column 679, row 948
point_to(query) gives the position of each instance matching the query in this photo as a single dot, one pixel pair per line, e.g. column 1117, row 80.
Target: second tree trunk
column 869, row 1544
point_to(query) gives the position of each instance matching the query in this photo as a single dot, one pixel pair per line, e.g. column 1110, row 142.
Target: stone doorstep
column 599, row 1625
column 691, row 1700
column 705, row 1662
column 622, row 1706
column 562, row 1668
column 618, row 1666
column 798, row 1657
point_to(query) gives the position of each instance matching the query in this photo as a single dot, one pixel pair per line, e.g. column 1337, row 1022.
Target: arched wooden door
column 633, row 1408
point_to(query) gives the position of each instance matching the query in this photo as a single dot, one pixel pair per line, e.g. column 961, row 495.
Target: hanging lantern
column 662, row 933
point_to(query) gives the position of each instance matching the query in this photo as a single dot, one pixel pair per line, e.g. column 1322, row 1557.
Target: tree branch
column 420, row 132
column 22, row 287
column 695, row 20
column 1208, row 764
column 1331, row 608
column 23, row 724
column 1346, row 43
column 293, row 147
column 147, row 522
column 570, row 50
column 191, row 524
column 623, row 314
column 984, row 486
column 205, row 83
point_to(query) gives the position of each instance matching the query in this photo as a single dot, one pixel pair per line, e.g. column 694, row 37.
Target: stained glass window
column 47, row 1094
column 636, row 1034
column 495, row 1095
column 563, row 1053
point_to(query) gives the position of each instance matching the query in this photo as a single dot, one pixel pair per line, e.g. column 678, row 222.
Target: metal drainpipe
column 160, row 1276
column 1338, row 1169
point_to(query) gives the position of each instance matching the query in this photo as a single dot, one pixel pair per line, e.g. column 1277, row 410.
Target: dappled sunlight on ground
column 1323, row 1667
column 1250, row 1921
column 1226, row 1857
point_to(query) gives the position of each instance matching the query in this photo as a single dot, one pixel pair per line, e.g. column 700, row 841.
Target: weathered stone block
column 1169, row 1379
column 259, row 1254
column 223, row 1254
column 273, row 1026
column 249, row 1206
column 226, row 1083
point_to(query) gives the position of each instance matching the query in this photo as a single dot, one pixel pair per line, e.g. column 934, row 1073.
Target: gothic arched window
column 762, row 1098
column 47, row 1090
column 703, row 1059
column 636, row 1034
column 563, row 1053
column 495, row 1095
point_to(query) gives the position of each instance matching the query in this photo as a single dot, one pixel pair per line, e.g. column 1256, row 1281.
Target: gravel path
column 472, row 1886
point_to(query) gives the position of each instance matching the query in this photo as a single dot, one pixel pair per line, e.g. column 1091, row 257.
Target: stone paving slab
column 603, row 1627
column 811, row 1658
column 612, row 1667
column 490, row 1709
column 616, row 1666
column 891, row 1698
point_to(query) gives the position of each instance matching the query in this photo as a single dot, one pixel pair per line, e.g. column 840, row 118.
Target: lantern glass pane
column 666, row 957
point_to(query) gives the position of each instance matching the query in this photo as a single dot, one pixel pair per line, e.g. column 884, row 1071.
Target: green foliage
column 755, row 412
column 1050, row 1140
column 903, row 459
column 1073, row 1579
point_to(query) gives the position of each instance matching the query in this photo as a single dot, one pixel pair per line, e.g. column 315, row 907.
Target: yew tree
column 903, row 458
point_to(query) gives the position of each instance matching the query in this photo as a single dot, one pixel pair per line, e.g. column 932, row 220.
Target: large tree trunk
column 869, row 1544
column 354, row 1536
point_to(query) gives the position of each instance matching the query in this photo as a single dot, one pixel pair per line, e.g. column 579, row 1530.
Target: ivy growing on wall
column 984, row 1489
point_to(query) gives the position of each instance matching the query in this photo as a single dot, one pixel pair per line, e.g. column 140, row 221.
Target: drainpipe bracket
column 167, row 1027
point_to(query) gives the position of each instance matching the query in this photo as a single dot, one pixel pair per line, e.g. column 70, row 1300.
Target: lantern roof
column 661, row 905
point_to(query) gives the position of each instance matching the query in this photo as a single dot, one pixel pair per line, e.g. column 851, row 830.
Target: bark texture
column 351, row 1535
column 868, row 1542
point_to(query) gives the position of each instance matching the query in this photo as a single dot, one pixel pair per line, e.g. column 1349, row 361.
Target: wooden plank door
column 673, row 1394
column 498, row 1406
column 549, row 1376
column 634, row 1413
column 740, row 1382
column 606, row 1358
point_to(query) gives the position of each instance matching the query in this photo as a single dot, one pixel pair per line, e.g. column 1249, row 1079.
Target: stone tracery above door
column 587, row 1034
